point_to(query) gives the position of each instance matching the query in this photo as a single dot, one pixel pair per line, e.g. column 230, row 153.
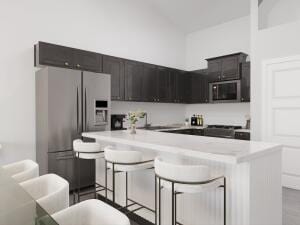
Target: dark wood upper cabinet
column 179, row 86
column 133, row 80
column 198, row 87
column 215, row 69
column 149, row 83
column 230, row 68
column 226, row 67
column 116, row 68
column 87, row 61
column 164, row 85
column 60, row 56
column 54, row 55
column 245, row 82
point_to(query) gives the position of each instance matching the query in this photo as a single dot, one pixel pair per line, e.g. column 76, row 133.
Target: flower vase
column 132, row 129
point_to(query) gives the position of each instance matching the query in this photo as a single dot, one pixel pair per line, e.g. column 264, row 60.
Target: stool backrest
column 122, row 156
column 181, row 173
column 80, row 146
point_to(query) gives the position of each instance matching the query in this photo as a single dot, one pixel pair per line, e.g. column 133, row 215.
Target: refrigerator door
column 64, row 108
column 96, row 101
column 64, row 165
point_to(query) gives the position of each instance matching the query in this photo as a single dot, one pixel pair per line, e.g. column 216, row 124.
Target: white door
column 281, row 113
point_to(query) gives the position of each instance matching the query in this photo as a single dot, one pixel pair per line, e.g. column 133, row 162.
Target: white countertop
column 210, row 148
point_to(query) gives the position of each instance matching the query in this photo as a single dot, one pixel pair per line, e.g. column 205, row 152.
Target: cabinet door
column 87, row 61
column 215, row 69
column 55, row 55
column 150, row 83
column 164, row 85
column 230, row 68
column 182, row 89
column 115, row 67
column 195, row 88
column 245, row 82
column 133, row 80
column 205, row 89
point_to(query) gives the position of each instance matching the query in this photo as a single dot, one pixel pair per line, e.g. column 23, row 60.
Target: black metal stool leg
column 225, row 200
column 159, row 202
column 173, row 206
column 126, row 177
column 78, row 178
column 155, row 201
column 113, row 181
column 105, row 179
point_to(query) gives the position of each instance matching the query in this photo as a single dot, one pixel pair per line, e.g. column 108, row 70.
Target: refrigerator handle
column 77, row 110
column 85, row 125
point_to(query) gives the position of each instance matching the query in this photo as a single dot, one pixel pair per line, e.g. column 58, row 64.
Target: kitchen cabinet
column 116, row 68
column 242, row 135
column 179, row 86
column 53, row 55
column 226, row 67
column 133, row 80
column 150, row 83
column 198, row 87
column 87, row 61
column 245, row 82
column 47, row 54
column 164, row 85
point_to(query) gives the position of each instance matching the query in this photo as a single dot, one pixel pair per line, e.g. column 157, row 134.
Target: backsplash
column 158, row 114
column 224, row 114
column 164, row 113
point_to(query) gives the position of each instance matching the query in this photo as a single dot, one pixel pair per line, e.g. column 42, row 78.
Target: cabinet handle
column 66, row 63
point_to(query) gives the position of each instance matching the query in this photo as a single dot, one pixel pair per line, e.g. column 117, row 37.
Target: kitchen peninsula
column 252, row 169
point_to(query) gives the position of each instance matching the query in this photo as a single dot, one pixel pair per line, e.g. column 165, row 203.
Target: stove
column 222, row 131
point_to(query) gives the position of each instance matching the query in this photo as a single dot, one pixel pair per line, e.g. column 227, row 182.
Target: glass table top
column 17, row 207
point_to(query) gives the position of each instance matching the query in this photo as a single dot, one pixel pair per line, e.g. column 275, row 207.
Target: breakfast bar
column 252, row 170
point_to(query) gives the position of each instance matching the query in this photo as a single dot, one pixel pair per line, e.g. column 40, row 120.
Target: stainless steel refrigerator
column 69, row 102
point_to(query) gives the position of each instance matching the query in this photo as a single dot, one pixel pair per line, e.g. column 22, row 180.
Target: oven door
column 225, row 91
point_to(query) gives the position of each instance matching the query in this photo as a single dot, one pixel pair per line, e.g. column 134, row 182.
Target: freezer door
column 64, row 108
column 65, row 165
column 96, row 101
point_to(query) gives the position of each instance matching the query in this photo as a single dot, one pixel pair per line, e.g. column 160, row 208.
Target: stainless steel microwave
column 225, row 91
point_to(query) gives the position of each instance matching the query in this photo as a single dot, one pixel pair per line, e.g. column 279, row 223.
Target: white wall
column 275, row 42
column 158, row 114
column 223, row 39
column 127, row 29
column 276, row 12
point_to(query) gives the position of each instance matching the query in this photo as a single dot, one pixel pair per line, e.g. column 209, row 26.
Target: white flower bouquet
column 133, row 117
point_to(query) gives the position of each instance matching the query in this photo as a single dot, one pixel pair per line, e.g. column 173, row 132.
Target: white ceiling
column 193, row 15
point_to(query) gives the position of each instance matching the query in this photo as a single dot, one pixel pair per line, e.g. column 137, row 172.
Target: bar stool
column 125, row 161
column 50, row 191
column 90, row 212
column 184, row 179
column 22, row 170
column 87, row 150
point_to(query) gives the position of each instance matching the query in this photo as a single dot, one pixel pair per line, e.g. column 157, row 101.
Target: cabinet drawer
column 242, row 135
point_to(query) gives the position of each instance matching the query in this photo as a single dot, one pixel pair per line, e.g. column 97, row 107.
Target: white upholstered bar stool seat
column 127, row 161
column 91, row 212
column 186, row 173
column 50, row 191
column 182, row 179
column 87, row 150
column 22, row 170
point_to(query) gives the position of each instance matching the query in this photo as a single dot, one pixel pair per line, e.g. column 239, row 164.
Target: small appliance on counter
column 222, row 131
column 117, row 121
column 197, row 120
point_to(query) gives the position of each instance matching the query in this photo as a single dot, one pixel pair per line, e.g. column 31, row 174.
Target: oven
column 225, row 91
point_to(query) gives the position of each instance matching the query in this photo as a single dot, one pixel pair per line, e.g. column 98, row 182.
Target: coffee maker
column 117, row 121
